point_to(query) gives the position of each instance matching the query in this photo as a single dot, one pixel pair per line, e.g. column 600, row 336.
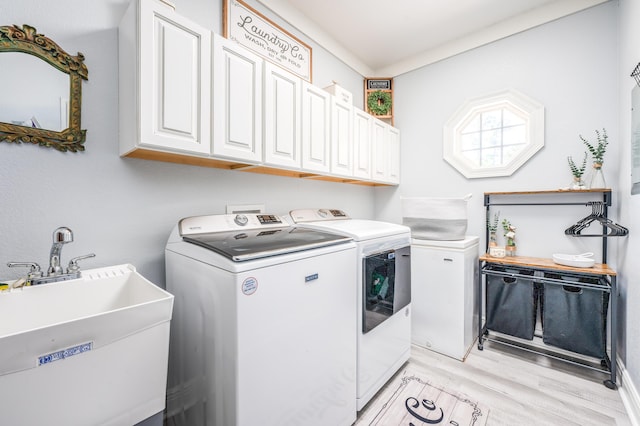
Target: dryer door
column 387, row 285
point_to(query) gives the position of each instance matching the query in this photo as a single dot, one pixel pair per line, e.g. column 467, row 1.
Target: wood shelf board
column 546, row 263
column 552, row 191
column 169, row 157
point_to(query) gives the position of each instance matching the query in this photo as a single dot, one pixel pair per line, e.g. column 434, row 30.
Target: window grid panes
column 493, row 138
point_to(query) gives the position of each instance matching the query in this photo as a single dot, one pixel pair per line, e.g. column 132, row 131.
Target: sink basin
column 92, row 350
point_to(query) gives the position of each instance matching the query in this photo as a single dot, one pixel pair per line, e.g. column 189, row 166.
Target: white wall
column 629, row 248
column 124, row 209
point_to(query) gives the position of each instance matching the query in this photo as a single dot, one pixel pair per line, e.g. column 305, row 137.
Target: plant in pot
column 577, row 173
column 492, row 227
column 597, row 151
column 510, row 235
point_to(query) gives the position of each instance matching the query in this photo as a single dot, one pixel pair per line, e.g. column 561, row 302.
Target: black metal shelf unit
column 542, row 282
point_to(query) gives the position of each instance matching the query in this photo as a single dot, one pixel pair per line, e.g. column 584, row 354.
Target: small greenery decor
column 379, row 102
column 576, row 171
column 493, row 226
column 509, row 232
column 597, row 151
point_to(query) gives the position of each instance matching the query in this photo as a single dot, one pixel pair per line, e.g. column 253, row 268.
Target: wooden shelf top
column 545, row 263
column 552, row 191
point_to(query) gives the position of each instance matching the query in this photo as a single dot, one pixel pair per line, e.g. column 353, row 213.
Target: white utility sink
column 88, row 351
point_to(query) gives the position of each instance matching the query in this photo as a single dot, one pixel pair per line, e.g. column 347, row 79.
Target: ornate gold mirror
column 38, row 104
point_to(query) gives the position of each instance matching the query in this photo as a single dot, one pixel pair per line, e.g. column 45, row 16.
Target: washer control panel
column 229, row 222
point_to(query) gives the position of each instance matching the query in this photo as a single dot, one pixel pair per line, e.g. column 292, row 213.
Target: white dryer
column 383, row 281
column 264, row 323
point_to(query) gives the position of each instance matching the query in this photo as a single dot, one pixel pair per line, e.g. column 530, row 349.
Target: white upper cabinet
column 237, row 102
column 361, row 144
column 393, row 136
column 341, row 138
column 316, row 128
column 380, row 157
column 164, row 87
column 282, row 117
column 386, row 152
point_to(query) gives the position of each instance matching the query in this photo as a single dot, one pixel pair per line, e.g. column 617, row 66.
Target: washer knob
column 241, row 220
column 323, row 212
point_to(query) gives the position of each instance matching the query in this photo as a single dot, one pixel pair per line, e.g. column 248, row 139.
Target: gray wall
column 574, row 67
column 629, row 248
column 124, row 209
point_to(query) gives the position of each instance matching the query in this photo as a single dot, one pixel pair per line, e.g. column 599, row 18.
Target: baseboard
column 629, row 394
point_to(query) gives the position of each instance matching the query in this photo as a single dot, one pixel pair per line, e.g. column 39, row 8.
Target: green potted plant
column 597, row 151
column 577, row 172
column 510, row 235
column 492, row 227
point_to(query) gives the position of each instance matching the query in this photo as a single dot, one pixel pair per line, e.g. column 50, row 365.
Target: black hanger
column 597, row 215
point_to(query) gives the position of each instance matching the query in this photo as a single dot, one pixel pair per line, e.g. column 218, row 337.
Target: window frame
column 530, row 110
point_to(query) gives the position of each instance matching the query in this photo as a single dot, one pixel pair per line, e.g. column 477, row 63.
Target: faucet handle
column 73, row 263
column 34, row 272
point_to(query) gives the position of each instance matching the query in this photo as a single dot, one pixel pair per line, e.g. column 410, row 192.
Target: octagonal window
column 494, row 135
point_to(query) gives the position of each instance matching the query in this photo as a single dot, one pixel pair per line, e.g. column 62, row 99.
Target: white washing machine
column 264, row 323
column 444, row 280
column 384, row 293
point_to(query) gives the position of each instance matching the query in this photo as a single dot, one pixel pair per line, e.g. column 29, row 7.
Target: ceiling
column 389, row 38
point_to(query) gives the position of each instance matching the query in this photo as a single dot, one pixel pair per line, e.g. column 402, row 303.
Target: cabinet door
column 341, row 138
column 439, row 300
column 386, row 152
column 361, row 144
column 380, row 157
column 237, row 102
column 316, row 128
column 393, row 141
column 175, row 86
column 282, row 112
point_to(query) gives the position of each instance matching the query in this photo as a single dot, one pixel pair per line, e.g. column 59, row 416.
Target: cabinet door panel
column 341, row 138
column 361, row 144
column 316, row 130
column 380, row 152
column 282, row 117
column 237, row 114
column 174, row 81
column 393, row 136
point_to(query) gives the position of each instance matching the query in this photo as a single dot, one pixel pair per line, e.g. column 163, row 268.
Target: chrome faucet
column 61, row 236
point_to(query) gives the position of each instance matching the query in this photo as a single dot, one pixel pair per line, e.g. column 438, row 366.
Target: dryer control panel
column 315, row 215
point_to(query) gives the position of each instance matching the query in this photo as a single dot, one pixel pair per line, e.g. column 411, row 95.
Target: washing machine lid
column 248, row 237
column 337, row 221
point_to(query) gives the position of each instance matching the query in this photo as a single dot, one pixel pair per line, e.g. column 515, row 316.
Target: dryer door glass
column 387, row 285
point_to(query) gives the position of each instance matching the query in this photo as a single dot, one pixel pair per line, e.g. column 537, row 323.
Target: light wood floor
column 521, row 389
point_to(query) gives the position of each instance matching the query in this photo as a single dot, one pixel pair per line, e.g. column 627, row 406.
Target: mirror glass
column 34, row 93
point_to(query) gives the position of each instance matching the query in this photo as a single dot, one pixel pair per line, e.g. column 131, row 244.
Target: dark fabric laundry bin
column 512, row 303
column 575, row 318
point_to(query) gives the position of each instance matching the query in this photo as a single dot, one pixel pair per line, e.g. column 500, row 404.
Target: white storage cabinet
column 444, row 276
column 282, row 117
column 165, row 87
column 237, row 104
column 341, row 138
column 361, row 144
column 316, row 128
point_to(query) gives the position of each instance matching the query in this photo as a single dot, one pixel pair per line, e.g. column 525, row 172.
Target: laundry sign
column 254, row 31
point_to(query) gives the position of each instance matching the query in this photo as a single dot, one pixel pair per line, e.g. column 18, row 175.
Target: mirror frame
column 27, row 40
